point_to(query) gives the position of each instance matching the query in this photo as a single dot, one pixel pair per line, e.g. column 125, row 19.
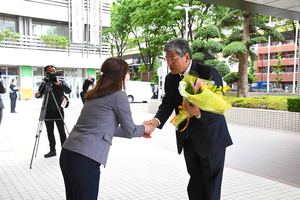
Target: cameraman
column 59, row 87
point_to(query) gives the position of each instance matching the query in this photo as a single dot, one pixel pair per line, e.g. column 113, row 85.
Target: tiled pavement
column 137, row 169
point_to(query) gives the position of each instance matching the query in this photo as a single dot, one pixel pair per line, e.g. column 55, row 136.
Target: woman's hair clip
column 101, row 73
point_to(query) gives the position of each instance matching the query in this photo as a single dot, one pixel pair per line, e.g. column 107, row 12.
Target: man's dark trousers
column 51, row 117
column 201, row 169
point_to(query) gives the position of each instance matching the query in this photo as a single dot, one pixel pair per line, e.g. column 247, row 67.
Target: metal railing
column 63, row 3
column 34, row 43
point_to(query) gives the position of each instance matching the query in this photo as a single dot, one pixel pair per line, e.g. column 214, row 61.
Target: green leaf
column 54, row 41
column 7, row 34
column 207, row 32
column 234, row 48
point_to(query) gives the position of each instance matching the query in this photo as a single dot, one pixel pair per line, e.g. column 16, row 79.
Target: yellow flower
column 202, row 93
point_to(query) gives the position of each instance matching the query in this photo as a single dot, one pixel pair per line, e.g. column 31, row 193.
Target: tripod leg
column 58, row 109
column 37, row 139
column 40, row 124
column 66, row 127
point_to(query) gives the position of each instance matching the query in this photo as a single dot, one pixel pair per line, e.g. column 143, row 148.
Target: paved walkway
column 137, row 169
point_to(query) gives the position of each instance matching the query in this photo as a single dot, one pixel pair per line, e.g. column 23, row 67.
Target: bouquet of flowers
column 202, row 93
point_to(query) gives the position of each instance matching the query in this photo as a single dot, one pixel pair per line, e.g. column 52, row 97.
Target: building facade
column 63, row 33
column 286, row 49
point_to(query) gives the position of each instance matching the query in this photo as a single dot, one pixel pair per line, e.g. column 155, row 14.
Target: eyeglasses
column 171, row 59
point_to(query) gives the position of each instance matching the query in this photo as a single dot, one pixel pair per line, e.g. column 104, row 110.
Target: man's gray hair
column 180, row 46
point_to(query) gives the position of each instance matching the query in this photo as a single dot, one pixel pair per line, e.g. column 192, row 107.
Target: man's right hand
column 150, row 126
column 37, row 95
column 153, row 122
column 148, row 130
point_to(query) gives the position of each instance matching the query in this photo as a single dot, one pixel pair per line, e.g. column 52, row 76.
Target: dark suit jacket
column 58, row 92
column 210, row 132
column 2, row 91
column 13, row 91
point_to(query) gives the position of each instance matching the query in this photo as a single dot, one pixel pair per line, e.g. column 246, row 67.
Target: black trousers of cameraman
column 51, row 117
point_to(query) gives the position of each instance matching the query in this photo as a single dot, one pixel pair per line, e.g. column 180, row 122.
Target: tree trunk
column 243, row 79
column 243, row 60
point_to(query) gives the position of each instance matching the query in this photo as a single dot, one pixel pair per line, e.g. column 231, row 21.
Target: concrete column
column 21, row 25
column 298, row 80
column 29, row 24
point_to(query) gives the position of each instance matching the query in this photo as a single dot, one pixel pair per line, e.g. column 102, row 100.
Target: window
column 60, row 72
column 38, row 71
column 290, row 42
column 12, row 70
column 288, row 69
column 289, row 54
column 8, row 23
column 45, row 28
column 274, row 56
column 265, row 56
column 263, row 69
column 3, row 70
column 73, row 72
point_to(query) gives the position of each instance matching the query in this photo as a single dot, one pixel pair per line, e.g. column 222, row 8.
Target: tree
column 117, row 34
column 247, row 29
column 278, row 70
column 251, row 72
column 150, row 26
column 151, row 23
column 233, row 77
column 155, row 75
column 196, row 17
column 142, row 68
column 206, row 47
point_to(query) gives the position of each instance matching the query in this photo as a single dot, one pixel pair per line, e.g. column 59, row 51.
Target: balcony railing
column 63, row 3
column 34, row 43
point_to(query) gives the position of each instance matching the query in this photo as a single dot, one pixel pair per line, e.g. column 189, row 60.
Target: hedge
column 293, row 104
column 261, row 102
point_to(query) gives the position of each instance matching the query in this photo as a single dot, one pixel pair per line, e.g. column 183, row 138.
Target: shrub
column 142, row 68
column 8, row 34
column 293, row 104
column 55, row 41
column 261, row 102
column 231, row 77
column 134, row 77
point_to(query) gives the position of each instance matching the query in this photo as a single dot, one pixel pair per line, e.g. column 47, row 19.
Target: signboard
column 94, row 21
column 26, row 82
column 77, row 21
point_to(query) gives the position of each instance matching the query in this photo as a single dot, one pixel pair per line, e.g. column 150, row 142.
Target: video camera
column 50, row 78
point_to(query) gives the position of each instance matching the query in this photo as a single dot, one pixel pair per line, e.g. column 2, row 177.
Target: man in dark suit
column 13, row 96
column 206, row 137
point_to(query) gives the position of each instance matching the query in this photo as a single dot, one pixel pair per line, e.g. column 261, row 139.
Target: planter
column 262, row 118
column 274, row 119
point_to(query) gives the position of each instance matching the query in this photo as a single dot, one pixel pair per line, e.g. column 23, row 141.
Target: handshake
column 150, row 126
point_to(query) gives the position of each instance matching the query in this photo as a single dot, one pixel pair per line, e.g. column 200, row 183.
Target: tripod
column 48, row 92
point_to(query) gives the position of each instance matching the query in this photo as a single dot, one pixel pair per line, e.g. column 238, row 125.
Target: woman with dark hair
column 105, row 114
column 88, row 84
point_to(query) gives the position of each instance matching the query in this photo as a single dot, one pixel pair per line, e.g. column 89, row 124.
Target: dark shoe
column 50, row 154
